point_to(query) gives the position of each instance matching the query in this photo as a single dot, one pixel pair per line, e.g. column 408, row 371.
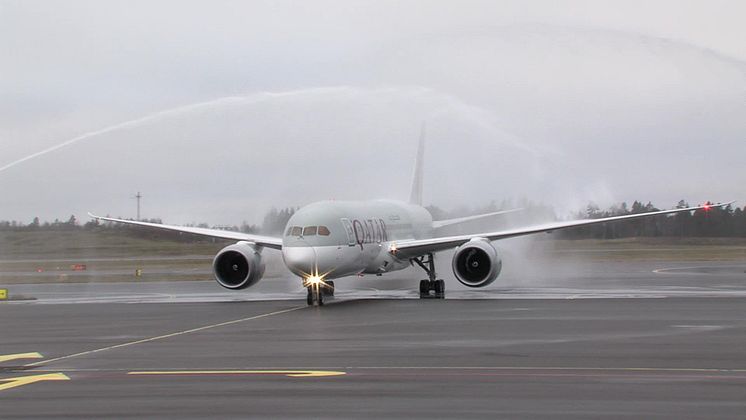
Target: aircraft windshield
column 309, row 231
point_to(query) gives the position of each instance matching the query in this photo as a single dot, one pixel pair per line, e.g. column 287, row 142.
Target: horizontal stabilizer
column 450, row 222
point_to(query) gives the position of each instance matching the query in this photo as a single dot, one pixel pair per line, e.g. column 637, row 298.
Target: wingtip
column 93, row 216
column 728, row 203
column 716, row 205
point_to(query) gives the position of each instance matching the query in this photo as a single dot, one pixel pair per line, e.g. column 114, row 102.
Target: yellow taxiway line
column 289, row 373
column 9, row 357
column 8, row 383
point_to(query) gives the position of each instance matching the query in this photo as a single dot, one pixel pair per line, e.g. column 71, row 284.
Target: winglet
column 416, row 195
column 93, row 216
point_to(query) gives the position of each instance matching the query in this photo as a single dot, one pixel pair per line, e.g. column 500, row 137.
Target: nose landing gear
column 432, row 288
column 318, row 291
column 314, row 296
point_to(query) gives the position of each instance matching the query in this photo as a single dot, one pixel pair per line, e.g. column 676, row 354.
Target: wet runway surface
column 614, row 340
column 572, row 281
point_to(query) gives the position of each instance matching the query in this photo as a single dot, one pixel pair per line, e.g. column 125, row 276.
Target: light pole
column 138, row 197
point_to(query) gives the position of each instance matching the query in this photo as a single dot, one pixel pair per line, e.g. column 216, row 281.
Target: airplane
column 328, row 240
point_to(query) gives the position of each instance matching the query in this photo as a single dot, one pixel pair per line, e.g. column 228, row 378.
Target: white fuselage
column 342, row 238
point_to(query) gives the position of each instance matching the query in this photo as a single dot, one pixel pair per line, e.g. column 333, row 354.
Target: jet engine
column 476, row 263
column 238, row 266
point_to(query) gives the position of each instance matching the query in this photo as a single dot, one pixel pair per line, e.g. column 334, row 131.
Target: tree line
column 715, row 222
column 273, row 224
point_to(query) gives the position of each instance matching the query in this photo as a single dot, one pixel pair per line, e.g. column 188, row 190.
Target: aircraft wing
column 442, row 223
column 265, row 241
column 418, row 247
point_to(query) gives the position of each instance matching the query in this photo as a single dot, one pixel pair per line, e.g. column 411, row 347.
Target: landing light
column 393, row 248
column 314, row 279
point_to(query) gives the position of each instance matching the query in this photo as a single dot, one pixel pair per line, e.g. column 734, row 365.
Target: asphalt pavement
column 638, row 344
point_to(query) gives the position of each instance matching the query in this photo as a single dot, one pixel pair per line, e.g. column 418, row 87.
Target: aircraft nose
column 300, row 259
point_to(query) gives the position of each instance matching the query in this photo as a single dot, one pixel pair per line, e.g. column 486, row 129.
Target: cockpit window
column 324, row 231
column 290, row 230
column 297, row 231
column 309, row 231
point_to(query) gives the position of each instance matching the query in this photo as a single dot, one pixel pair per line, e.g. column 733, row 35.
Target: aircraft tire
column 424, row 289
column 329, row 290
column 315, row 297
column 438, row 288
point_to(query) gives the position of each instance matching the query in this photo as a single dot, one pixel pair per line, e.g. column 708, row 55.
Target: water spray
column 452, row 105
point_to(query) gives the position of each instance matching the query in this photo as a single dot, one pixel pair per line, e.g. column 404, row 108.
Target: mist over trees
column 715, row 222
column 275, row 220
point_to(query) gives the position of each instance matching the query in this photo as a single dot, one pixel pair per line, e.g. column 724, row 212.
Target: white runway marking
column 687, row 271
column 161, row 337
column 701, row 327
column 513, row 294
column 581, row 368
column 434, row 368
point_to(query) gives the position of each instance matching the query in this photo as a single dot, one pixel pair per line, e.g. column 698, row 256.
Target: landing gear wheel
column 329, row 288
column 432, row 284
column 424, row 289
column 315, row 296
column 440, row 289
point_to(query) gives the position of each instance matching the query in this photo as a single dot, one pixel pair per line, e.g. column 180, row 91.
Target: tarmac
column 601, row 340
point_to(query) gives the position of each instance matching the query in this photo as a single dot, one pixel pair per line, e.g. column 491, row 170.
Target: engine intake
column 238, row 266
column 476, row 263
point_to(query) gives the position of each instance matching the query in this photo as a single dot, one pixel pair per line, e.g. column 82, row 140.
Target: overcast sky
column 558, row 102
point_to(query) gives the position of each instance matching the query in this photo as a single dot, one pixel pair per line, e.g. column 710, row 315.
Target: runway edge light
column 3, row 294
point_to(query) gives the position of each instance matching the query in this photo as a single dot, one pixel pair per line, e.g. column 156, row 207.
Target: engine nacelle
column 238, row 266
column 476, row 263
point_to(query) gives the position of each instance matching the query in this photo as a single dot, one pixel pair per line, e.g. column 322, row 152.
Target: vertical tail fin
column 416, row 195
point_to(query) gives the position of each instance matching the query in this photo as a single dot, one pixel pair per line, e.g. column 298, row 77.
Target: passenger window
column 309, row 231
column 324, row 231
column 297, row 231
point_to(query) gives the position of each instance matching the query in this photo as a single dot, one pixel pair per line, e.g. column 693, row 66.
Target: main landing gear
column 318, row 291
column 432, row 288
